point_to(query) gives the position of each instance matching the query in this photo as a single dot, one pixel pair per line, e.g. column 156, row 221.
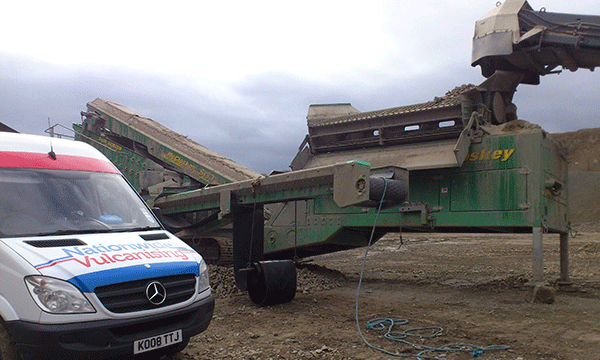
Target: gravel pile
column 454, row 92
column 311, row 278
column 222, row 281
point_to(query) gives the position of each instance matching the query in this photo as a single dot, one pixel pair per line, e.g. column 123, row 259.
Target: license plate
column 157, row 342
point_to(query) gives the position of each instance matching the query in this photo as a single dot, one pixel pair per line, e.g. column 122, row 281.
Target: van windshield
column 49, row 202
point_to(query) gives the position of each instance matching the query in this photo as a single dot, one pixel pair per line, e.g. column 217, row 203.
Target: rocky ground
column 473, row 286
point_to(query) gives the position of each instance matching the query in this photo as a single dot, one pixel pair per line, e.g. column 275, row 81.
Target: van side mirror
column 158, row 213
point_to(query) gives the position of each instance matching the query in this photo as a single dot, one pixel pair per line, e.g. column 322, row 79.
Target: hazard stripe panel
column 25, row 160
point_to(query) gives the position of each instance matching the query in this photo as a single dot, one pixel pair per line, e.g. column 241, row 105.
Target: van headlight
column 203, row 281
column 57, row 296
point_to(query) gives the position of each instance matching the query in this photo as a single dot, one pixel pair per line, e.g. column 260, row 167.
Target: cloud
column 259, row 126
column 260, row 121
column 562, row 102
column 239, row 78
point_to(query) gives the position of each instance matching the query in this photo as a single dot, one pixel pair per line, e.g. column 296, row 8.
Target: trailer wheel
column 272, row 282
column 8, row 349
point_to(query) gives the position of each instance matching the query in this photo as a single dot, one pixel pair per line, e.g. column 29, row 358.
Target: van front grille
column 131, row 296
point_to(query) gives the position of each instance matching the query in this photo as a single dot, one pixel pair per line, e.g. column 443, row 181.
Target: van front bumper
column 105, row 339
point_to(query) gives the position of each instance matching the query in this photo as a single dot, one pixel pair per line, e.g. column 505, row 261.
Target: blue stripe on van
column 88, row 282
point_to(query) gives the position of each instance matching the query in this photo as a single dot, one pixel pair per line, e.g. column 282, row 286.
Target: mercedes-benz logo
column 156, row 293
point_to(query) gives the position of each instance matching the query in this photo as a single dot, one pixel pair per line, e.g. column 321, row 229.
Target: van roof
column 34, row 151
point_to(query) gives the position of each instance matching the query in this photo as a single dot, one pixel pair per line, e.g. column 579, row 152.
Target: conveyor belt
column 513, row 37
column 198, row 156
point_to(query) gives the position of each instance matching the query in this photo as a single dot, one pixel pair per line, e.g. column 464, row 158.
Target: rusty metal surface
column 416, row 156
column 451, row 99
column 153, row 130
column 419, row 136
column 437, row 120
column 322, row 111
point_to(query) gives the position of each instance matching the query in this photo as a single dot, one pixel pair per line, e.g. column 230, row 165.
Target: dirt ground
column 474, row 286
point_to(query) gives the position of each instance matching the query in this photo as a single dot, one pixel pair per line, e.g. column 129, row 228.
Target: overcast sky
column 238, row 77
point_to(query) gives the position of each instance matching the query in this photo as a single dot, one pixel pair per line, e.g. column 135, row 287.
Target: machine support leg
column 538, row 255
column 267, row 282
column 564, row 258
column 248, row 240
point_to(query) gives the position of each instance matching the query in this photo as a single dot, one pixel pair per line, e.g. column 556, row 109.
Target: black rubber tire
column 272, row 282
column 396, row 191
column 8, row 349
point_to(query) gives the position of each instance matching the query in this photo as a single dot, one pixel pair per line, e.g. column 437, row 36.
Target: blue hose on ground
column 402, row 336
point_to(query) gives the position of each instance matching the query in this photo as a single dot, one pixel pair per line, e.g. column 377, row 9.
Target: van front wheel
column 8, row 350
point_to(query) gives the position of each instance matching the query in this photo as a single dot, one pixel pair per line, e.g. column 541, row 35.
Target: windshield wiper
column 88, row 231
column 134, row 229
column 74, row 232
column 145, row 228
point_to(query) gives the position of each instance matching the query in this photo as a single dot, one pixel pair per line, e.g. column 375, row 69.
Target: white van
column 86, row 269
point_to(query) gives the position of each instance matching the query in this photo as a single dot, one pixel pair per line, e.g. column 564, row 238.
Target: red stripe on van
column 25, row 160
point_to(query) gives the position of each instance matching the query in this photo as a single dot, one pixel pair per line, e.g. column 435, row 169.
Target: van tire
column 8, row 349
